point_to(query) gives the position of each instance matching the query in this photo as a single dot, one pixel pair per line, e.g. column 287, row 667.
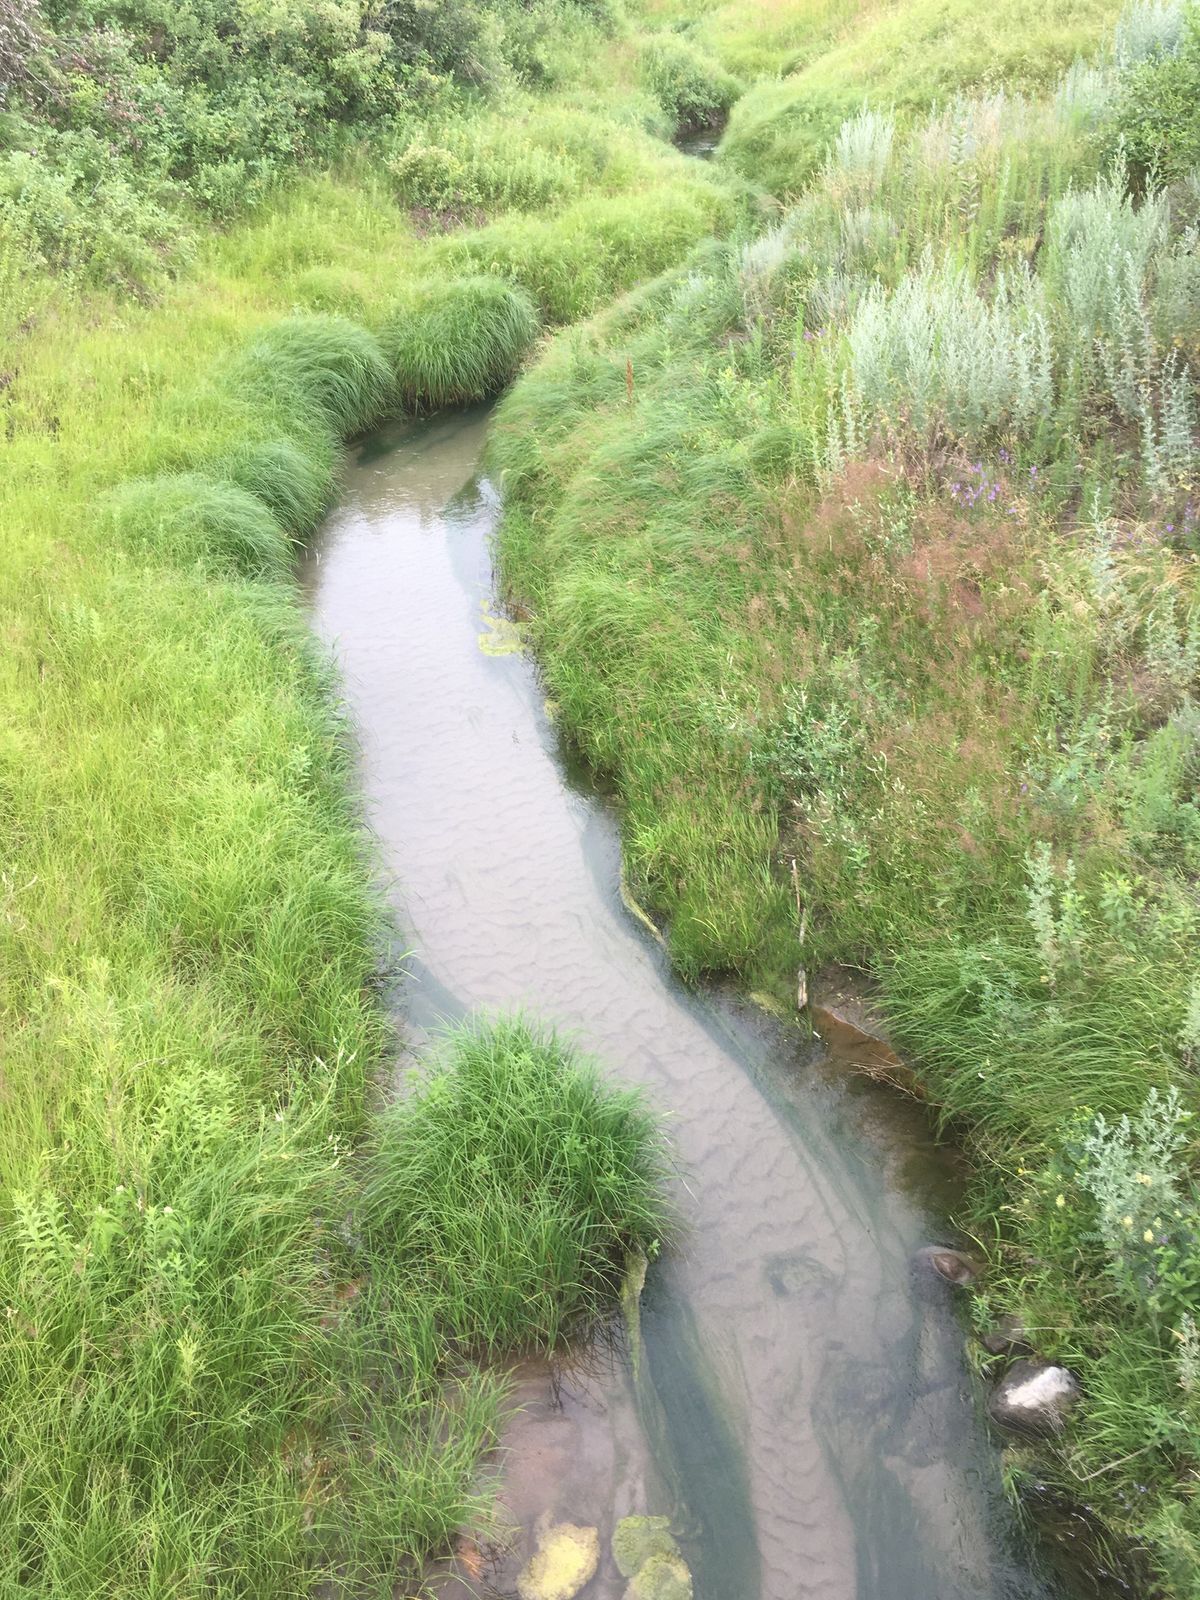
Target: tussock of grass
column 294, row 484
column 454, row 343
column 508, row 1187
column 186, row 518
column 326, row 362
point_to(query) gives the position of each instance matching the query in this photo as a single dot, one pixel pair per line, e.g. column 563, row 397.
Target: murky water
column 804, row 1413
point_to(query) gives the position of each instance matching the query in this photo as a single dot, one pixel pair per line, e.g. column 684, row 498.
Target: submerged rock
column 845, row 1019
column 1007, row 1338
column 952, row 1265
column 1034, row 1397
column 664, row 1577
column 565, row 1560
column 636, row 1539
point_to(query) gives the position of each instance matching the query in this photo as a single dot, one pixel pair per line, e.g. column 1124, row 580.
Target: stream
column 802, row 1408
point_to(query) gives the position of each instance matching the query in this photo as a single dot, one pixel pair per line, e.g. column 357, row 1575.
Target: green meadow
column 851, row 491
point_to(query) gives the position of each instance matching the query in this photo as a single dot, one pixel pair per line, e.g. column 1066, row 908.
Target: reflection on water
column 804, row 1413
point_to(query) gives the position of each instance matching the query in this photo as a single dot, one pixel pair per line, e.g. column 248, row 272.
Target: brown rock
column 952, row 1265
column 846, row 1022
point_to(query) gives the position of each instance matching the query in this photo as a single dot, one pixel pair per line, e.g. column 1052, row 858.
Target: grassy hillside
column 869, row 544
column 903, row 56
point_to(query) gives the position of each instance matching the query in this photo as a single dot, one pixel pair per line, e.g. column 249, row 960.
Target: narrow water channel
column 803, row 1410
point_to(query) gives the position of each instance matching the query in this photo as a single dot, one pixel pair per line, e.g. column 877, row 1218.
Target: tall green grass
column 329, row 361
column 509, row 1186
column 187, row 519
column 458, row 342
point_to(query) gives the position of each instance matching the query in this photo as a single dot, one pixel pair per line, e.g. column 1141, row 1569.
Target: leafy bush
column 1133, row 1171
column 515, row 174
column 1153, row 120
column 452, row 343
column 506, row 1191
column 430, row 175
column 189, row 519
column 325, row 363
column 87, row 221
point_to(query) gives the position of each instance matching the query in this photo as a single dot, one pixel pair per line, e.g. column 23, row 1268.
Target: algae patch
column 566, row 1559
column 501, row 636
column 636, row 1539
column 662, row 1578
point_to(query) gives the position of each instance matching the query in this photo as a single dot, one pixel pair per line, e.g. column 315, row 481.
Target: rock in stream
column 1034, row 1397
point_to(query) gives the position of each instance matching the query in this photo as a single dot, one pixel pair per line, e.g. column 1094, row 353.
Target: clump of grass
column 327, row 363
column 506, row 1191
column 294, row 484
column 572, row 263
column 457, row 342
column 692, row 89
column 188, row 519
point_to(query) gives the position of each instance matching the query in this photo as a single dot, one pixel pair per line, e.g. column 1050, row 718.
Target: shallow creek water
column 803, row 1410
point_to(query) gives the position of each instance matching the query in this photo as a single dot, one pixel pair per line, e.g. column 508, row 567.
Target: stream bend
column 805, row 1414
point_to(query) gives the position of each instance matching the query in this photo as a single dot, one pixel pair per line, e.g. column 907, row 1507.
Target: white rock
column 1034, row 1396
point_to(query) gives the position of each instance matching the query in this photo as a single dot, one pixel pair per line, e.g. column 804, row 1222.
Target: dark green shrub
column 84, row 216
column 459, row 341
column 506, row 1192
column 328, row 363
column 188, row 519
column 1156, row 120
column 294, row 486
column 430, row 176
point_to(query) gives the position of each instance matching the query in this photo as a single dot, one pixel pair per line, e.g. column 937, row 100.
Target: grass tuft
column 186, row 519
column 292, row 483
column 507, row 1190
column 326, row 363
column 458, row 342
